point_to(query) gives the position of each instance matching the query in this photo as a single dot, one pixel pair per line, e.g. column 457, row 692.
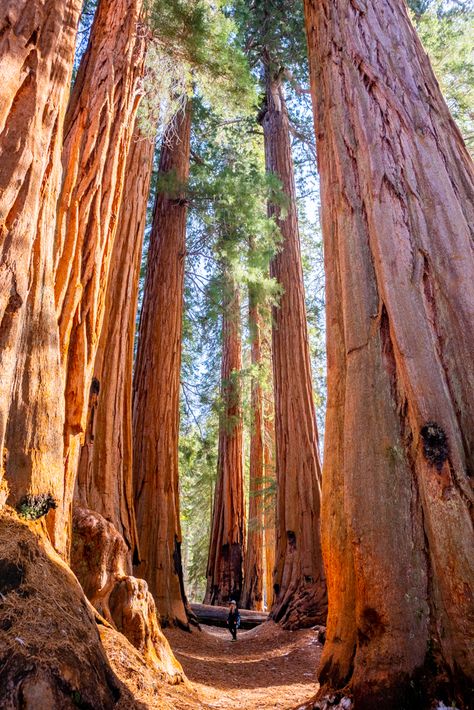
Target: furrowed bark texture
column 101, row 561
column 157, row 385
column 98, row 129
column 224, row 567
column 104, row 481
column 269, row 501
column 51, row 654
column 252, row 595
column 36, row 56
column 299, row 581
column 397, row 185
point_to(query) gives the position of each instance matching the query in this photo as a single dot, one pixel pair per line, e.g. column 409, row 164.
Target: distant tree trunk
column 252, row 596
column 157, row 385
column 398, row 216
column 104, row 538
column 269, row 501
column 104, row 482
column 299, row 581
column 224, row 567
column 98, row 130
column 36, row 55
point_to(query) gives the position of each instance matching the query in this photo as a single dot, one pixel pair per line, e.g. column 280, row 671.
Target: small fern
column 32, row 507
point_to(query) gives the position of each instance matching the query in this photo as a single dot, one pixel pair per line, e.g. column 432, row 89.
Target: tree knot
column 435, row 444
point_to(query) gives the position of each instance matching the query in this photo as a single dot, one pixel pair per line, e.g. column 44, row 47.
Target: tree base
column 428, row 688
column 51, row 655
column 101, row 561
column 300, row 609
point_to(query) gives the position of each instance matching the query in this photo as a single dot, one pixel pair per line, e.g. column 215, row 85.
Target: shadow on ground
column 266, row 668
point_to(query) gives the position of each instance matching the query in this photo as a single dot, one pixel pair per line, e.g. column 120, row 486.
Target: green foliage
column 273, row 31
column 164, row 91
column 229, row 189
column 201, row 38
column 198, row 468
column 230, row 238
column 35, row 506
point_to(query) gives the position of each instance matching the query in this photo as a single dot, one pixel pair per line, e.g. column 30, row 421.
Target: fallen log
column 217, row 616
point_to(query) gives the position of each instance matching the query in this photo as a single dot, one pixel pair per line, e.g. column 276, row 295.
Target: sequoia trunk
column 157, row 384
column 98, row 130
column 397, row 185
column 299, row 581
column 36, row 56
column 104, row 482
column 269, row 501
column 224, row 567
column 252, row 596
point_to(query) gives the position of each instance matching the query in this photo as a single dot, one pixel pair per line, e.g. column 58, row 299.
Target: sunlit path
column 265, row 668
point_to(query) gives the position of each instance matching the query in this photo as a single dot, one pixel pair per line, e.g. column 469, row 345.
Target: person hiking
column 233, row 620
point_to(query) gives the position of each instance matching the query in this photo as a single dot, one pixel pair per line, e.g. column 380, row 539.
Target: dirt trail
column 266, row 668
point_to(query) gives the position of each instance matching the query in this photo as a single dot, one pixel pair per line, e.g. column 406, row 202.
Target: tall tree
column 36, row 58
column 225, row 562
column 397, row 185
column 299, row 580
column 269, row 506
column 269, row 499
column 104, row 482
column 252, row 596
column 98, row 129
column 157, row 382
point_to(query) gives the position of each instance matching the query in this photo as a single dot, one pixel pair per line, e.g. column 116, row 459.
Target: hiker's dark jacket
column 234, row 618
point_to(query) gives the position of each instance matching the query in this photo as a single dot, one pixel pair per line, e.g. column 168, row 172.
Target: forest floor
column 266, row 668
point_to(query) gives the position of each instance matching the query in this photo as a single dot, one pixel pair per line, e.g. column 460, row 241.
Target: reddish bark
column 51, row 655
column 252, row 595
column 299, row 581
column 224, row 567
column 36, row 56
column 98, row 130
column 101, row 560
column 269, row 501
column 99, row 557
column 104, row 481
column 157, row 386
column 134, row 614
column 397, row 185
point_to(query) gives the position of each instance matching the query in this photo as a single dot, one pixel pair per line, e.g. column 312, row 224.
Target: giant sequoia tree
column 225, row 563
column 104, row 481
column 157, row 381
column 36, row 56
column 41, row 664
column 252, row 596
column 299, row 581
column 397, row 185
column 97, row 134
